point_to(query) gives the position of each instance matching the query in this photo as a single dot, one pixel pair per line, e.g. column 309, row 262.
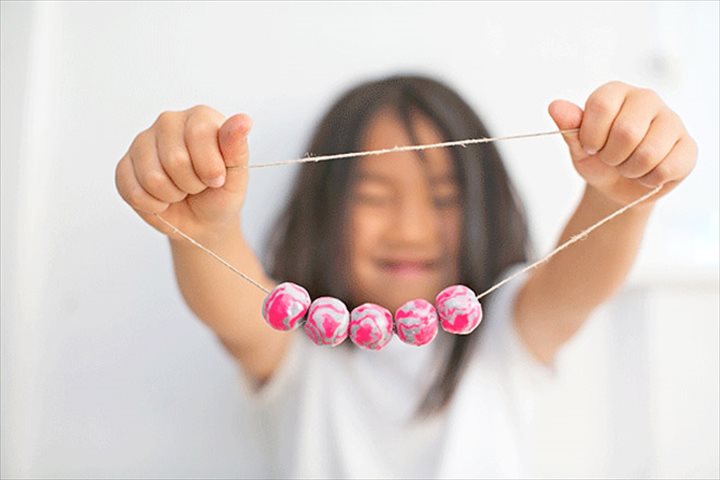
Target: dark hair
column 306, row 244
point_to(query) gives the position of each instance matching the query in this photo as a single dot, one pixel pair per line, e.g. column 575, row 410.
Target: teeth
column 410, row 264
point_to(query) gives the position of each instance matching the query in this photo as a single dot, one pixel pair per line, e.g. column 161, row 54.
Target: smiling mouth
column 408, row 268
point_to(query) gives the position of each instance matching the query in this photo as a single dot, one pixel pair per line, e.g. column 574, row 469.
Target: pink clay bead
column 459, row 310
column 416, row 322
column 285, row 306
column 371, row 326
column 327, row 322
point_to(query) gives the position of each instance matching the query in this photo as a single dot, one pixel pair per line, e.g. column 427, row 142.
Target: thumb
column 566, row 116
column 232, row 138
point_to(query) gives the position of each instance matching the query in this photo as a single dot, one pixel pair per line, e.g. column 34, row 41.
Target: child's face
column 404, row 217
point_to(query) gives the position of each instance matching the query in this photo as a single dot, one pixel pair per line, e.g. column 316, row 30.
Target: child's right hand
column 185, row 167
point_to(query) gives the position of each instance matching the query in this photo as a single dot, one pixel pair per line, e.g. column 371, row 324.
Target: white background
column 104, row 370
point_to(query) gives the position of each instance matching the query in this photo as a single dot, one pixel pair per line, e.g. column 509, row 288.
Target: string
column 456, row 143
column 406, row 148
column 210, row 252
column 575, row 238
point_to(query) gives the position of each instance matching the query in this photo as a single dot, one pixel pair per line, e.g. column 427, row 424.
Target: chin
column 392, row 300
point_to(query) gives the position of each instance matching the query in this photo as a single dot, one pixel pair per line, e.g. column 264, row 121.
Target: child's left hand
column 629, row 141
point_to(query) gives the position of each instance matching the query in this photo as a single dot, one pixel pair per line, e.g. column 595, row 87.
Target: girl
column 388, row 229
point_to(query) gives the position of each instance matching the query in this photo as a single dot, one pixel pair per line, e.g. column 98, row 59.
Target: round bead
column 371, row 326
column 459, row 310
column 285, row 306
column 327, row 322
column 416, row 322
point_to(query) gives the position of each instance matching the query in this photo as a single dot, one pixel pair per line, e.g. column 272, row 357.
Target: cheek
column 450, row 228
column 365, row 230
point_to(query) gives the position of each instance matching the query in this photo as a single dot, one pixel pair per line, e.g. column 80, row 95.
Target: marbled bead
column 285, row 306
column 416, row 322
column 371, row 326
column 327, row 322
column 459, row 309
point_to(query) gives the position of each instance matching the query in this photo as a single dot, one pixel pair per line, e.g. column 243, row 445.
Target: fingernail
column 590, row 151
column 217, row 182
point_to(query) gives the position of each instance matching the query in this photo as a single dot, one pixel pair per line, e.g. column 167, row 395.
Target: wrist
column 209, row 235
column 607, row 205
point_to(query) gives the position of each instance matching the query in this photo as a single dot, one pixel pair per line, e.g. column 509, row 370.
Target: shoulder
column 504, row 334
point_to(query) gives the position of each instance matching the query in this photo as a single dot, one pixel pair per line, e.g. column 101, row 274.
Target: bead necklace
column 327, row 321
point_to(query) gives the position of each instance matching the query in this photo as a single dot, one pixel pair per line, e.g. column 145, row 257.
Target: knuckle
column 628, row 133
column 600, row 106
column 657, row 176
column 649, row 93
column 615, row 84
column 177, row 160
column 119, row 174
column 165, row 117
column 674, row 121
column 639, row 164
column 610, row 87
column 209, row 170
column 199, row 129
column 136, row 197
column 677, row 119
column 648, row 96
column 155, row 181
column 201, row 108
column 646, row 157
column 141, row 139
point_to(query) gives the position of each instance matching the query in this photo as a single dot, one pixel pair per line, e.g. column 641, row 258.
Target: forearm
column 561, row 293
column 225, row 302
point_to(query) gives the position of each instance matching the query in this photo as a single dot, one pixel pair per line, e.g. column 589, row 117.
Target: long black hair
column 306, row 245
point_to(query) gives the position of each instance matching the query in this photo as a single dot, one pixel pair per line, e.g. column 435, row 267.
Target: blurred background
column 106, row 373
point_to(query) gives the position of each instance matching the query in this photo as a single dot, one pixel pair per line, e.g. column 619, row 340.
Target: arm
column 560, row 294
column 226, row 303
column 629, row 141
column 185, row 168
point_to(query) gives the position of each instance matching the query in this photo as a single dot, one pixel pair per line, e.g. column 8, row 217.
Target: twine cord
column 406, row 148
column 409, row 148
column 211, row 253
column 575, row 238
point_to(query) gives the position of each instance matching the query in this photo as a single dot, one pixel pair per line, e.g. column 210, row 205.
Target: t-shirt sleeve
column 283, row 381
column 499, row 312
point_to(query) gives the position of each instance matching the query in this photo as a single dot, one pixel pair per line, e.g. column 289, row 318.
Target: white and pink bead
column 285, row 306
column 328, row 322
column 371, row 326
column 416, row 322
column 459, row 310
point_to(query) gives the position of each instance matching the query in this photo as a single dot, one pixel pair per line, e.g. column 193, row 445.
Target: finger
column 657, row 144
column 601, row 109
column 201, row 138
column 234, row 147
column 630, row 126
column 174, row 155
column 676, row 166
column 566, row 116
column 132, row 192
column 149, row 172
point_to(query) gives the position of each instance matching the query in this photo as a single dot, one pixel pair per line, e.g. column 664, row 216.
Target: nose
column 414, row 222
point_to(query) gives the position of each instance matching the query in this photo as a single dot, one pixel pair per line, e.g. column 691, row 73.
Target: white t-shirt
column 341, row 413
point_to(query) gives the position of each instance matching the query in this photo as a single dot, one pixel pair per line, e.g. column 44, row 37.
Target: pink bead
column 416, row 322
column 285, row 306
column 459, row 310
column 328, row 321
column 371, row 326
